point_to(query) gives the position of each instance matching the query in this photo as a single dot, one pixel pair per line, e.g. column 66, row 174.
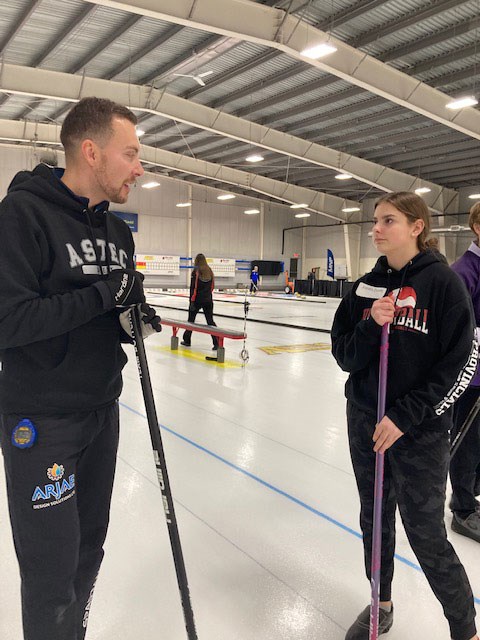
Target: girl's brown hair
column 204, row 270
column 414, row 208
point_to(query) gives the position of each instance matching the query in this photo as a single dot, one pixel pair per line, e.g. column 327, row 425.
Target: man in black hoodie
column 66, row 263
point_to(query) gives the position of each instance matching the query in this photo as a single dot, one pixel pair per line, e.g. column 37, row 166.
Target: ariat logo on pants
column 53, row 494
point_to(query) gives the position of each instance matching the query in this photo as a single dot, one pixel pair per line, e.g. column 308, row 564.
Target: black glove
column 121, row 287
column 150, row 321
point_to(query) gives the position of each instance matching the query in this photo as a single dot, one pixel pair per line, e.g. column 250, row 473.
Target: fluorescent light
column 475, row 196
column 318, row 51
column 343, row 176
column 251, row 212
column 150, row 185
column 422, row 190
column 226, row 196
column 302, row 215
column 460, row 103
column 255, row 157
column 350, row 209
column 298, row 206
column 183, row 204
column 139, row 132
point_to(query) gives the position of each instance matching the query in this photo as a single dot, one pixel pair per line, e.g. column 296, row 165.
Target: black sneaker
column 185, row 344
column 469, row 527
column 360, row 629
column 215, row 347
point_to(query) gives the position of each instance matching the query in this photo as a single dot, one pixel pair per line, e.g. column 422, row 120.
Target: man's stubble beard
column 112, row 194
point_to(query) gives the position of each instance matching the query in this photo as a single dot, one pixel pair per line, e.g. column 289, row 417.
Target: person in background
column 254, row 280
column 202, row 284
column 432, row 355
column 465, row 464
column 311, row 282
column 66, row 265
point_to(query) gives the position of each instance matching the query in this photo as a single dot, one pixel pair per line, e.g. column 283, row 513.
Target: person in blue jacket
column 254, row 280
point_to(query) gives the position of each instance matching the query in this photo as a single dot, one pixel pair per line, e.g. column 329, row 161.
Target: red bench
column 221, row 334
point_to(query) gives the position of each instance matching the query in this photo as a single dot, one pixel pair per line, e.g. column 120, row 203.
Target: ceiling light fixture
column 460, row 103
column 150, row 185
column 318, row 51
column 302, row 215
column 139, row 132
column 255, row 157
column 183, row 204
column 251, row 212
column 343, row 176
column 298, row 206
column 226, row 196
column 421, row 190
column 474, row 196
column 350, row 209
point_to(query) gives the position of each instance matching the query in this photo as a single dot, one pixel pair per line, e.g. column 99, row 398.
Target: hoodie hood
column 413, row 266
column 45, row 182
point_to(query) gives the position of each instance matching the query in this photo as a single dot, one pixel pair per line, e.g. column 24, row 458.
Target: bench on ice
column 221, row 334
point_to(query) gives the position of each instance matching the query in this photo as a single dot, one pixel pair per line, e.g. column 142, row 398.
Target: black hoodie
column 60, row 349
column 432, row 352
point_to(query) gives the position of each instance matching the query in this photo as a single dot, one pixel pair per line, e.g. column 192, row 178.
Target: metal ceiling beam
column 59, row 86
column 439, row 37
column 64, row 33
column 431, row 152
column 318, row 202
column 105, row 43
column 412, row 18
column 20, row 22
column 446, row 58
column 154, row 42
column 273, row 28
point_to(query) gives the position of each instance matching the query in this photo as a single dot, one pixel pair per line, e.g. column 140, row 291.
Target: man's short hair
column 92, row 118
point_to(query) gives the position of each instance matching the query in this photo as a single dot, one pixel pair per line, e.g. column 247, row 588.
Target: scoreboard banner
column 222, row 267
column 158, row 265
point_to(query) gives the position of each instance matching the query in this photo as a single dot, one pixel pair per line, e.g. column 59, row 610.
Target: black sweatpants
column 193, row 310
column 465, row 464
column 59, row 495
column 416, row 468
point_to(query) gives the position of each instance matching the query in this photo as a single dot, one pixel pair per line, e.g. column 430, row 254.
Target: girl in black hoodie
column 432, row 357
column 201, row 297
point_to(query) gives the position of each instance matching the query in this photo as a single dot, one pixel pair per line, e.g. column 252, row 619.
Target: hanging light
column 461, row 103
column 421, row 190
column 318, row 51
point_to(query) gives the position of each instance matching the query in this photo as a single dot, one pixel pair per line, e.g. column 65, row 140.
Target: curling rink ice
column 264, row 493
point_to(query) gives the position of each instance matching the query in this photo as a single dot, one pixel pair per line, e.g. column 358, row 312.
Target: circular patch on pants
column 24, row 434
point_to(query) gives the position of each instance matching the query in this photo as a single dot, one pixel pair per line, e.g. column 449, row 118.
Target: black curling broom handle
column 162, row 474
column 465, row 427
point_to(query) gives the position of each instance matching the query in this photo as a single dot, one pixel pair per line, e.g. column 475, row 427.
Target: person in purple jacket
column 465, row 464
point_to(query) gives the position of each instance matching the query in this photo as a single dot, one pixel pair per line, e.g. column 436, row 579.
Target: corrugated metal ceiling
column 264, row 86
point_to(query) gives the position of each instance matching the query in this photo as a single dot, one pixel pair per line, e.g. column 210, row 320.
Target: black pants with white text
column 59, row 493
